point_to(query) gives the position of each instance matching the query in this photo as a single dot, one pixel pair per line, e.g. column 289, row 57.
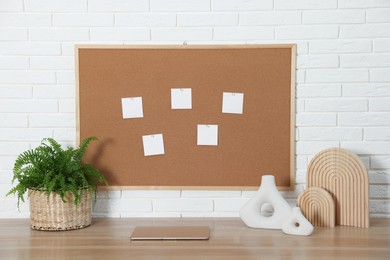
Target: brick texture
column 342, row 82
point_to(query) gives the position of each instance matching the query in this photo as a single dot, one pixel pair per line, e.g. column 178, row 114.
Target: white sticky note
column 207, row 135
column 181, row 98
column 153, row 144
column 132, row 107
column 232, row 103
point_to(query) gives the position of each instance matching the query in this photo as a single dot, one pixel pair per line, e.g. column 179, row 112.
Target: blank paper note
column 181, row 98
column 153, row 144
column 207, row 135
column 232, row 103
column 132, row 107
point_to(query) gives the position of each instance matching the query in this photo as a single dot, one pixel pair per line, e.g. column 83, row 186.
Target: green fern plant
column 50, row 168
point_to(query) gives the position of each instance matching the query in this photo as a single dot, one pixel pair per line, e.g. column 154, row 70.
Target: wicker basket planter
column 51, row 213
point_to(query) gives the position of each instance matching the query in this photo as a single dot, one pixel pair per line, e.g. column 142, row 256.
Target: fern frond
column 51, row 168
column 53, row 144
column 79, row 153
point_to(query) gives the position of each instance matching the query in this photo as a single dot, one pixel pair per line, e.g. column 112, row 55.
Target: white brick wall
column 179, row 6
column 28, row 106
column 305, row 4
column 182, row 34
column 244, row 33
column 382, row 45
column 365, row 60
column 340, row 46
column 55, row 6
column 27, row 77
column 25, row 20
column 365, row 31
column 146, row 19
column 58, row 34
column 335, row 104
column 380, row 75
column 207, row 19
column 240, row 5
column 30, row 48
column 333, row 17
column 16, row 91
column 307, row 32
column 119, row 34
column 331, row 134
column 11, row 6
column 378, row 15
column 379, row 104
column 363, row 3
column 270, row 18
column 52, row 63
column 317, row 61
column 83, row 20
column 364, row 119
column 319, row 90
column 13, row 34
column 183, row 204
column 14, row 63
column 380, row 162
column 366, row 90
column 343, row 82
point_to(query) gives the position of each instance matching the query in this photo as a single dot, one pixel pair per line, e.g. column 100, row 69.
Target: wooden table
column 230, row 239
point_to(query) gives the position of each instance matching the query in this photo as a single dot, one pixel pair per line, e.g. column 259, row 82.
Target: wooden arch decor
column 344, row 176
column 317, row 205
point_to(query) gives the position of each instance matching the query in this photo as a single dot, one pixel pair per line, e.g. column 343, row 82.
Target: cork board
column 260, row 141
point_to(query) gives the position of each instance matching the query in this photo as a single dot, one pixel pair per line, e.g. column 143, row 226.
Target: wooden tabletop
column 230, row 239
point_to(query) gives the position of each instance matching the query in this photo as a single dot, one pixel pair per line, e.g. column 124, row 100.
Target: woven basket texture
column 52, row 214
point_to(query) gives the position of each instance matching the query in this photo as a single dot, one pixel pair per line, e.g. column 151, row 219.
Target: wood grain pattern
column 230, row 239
column 344, row 176
column 318, row 206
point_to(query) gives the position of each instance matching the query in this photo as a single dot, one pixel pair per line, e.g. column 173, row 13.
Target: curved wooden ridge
column 318, row 207
column 344, row 176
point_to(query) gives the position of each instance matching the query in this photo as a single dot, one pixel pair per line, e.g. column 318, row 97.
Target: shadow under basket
column 52, row 214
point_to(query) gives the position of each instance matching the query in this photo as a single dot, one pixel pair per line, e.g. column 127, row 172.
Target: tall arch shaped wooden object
column 318, row 206
column 344, row 176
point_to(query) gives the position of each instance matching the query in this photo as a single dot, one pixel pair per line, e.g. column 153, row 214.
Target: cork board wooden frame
column 258, row 142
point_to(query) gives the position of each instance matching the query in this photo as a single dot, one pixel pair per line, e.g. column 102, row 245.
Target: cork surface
column 258, row 142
